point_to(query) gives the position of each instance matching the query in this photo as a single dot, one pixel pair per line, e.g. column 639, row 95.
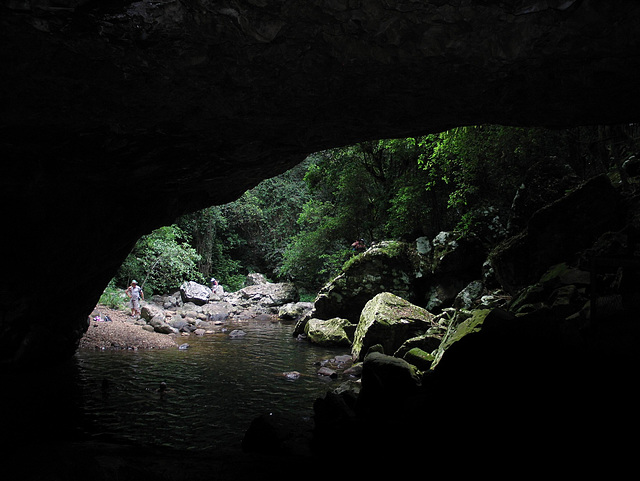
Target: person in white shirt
column 134, row 292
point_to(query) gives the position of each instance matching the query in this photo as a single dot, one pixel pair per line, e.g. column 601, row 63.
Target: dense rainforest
column 300, row 226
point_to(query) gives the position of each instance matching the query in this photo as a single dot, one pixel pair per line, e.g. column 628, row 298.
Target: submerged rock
column 236, row 333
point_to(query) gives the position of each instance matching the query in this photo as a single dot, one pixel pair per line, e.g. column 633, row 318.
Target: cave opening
column 181, row 105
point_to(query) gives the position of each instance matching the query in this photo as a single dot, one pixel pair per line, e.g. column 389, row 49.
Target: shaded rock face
column 118, row 117
column 554, row 232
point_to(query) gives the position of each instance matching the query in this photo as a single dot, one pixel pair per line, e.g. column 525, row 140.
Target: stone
column 388, row 320
column 195, row 293
column 428, row 343
column 386, row 382
column 386, row 267
column 330, row 332
column 325, row 371
column 419, row 358
column 293, row 311
column 264, row 294
column 570, row 224
column 255, row 279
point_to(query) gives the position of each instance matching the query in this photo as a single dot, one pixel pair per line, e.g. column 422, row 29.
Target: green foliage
column 478, row 167
column 299, row 226
column 161, row 261
column 113, row 297
column 213, row 239
column 251, row 233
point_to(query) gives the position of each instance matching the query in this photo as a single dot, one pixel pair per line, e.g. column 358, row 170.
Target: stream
column 215, row 388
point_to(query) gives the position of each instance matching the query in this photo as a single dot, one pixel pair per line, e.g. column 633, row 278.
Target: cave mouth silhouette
column 119, row 118
column 175, row 106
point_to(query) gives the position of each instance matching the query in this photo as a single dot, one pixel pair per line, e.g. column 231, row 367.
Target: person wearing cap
column 134, row 292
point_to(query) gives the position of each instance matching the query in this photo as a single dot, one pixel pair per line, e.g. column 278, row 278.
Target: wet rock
column 325, row 371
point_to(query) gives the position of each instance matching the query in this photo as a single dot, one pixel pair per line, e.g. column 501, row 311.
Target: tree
column 161, row 261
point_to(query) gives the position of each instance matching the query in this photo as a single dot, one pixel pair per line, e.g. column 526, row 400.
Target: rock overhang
column 180, row 105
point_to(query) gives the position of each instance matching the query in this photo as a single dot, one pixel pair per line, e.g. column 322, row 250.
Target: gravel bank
column 121, row 333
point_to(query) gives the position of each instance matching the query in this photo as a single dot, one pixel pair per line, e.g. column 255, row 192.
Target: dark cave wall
column 117, row 117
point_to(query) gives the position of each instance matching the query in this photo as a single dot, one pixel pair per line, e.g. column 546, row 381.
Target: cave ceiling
column 118, row 116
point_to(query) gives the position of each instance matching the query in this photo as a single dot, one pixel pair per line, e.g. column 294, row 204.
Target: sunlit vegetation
column 299, row 226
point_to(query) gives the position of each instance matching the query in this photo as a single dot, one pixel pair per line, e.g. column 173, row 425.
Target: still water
column 215, row 388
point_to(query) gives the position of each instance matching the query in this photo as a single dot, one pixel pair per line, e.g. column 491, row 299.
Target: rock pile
column 196, row 309
column 502, row 328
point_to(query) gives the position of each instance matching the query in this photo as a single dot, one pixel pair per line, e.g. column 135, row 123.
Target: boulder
column 389, row 320
column 255, row 279
column 419, row 358
column 160, row 325
column 194, row 292
column 386, row 267
column 330, row 332
column 561, row 291
column 467, row 297
column 265, row 295
column 293, row 311
column 218, row 311
column 149, row 311
column 386, row 383
column 555, row 232
column 156, row 319
column 460, row 332
column 427, row 342
column 456, row 261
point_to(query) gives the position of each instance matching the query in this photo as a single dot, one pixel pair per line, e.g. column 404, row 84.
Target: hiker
column 216, row 288
column 134, row 292
column 359, row 246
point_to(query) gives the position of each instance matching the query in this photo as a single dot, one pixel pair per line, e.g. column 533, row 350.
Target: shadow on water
column 214, row 389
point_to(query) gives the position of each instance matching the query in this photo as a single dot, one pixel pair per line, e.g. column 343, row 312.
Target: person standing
column 216, row 287
column 134, row 292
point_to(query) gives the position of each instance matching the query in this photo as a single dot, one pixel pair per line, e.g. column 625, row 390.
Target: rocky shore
column 121, row 332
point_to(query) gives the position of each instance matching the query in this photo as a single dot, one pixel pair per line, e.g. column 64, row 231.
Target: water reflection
column 214, row 388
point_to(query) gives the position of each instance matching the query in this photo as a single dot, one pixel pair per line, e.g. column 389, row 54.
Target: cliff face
column 119, row 116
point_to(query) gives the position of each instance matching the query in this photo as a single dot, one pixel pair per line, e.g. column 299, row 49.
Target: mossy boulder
column 386, row 267
column 330, row 332
column 389, row 320
column 419, row 358
column 561, row 290
column 466, row 328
